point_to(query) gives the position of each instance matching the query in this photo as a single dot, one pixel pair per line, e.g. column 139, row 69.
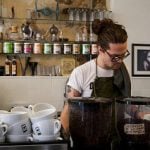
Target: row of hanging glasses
column 85, row 14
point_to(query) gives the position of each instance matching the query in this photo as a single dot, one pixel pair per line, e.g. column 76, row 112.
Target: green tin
column 7, row 47
column 48, row 48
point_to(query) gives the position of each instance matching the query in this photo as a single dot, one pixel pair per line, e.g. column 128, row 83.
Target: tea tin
column 27, row 48
column 67, row 48
column 57, row 48
column 48, row 48
column 17, row 47
column 94, row 49
column 85, row 48
column 76, row 49
column 37, row 49
column 8, row 47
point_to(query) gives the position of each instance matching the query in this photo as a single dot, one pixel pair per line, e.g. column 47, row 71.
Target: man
column 105, row 76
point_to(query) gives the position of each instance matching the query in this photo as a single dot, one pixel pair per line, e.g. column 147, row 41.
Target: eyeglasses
column 116, row 58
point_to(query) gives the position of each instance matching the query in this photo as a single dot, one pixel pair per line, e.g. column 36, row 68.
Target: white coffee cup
column 21, row 109
column 18, row 138
column 22, row 127
column 43, row 115
column 12, row 117
column 44, row 138
column 46, row 127
column 41, row 106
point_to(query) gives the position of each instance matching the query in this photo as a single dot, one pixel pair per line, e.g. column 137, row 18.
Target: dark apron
column 105, row 87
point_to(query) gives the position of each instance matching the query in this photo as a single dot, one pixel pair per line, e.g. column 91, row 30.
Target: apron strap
column 96, row 69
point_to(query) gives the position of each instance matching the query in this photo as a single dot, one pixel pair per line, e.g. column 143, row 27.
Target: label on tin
column 67, row 48
column 8, row 47
column 48, row 48
column 85, row 48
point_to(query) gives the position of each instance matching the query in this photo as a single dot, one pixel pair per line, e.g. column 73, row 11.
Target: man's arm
column 65, row 112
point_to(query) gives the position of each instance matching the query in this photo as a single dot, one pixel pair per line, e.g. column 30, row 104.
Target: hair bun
column 98, row 25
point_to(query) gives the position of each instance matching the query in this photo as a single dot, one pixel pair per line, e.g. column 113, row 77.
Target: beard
column 116, row 66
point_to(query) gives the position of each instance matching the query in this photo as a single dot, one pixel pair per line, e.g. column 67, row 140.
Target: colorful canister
column 76, row 49
column 67, row 48
column 27, row 48
column 18, row 47
column 37, row 49
column 85, row 48
column 94, row 49
column 48, row 48
column 57, row 48
column 8, row 47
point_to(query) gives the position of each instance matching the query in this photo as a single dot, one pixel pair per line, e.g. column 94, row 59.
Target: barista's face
column 112, row 58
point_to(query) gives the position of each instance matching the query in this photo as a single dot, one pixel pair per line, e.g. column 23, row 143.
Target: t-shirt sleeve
column 76, row 80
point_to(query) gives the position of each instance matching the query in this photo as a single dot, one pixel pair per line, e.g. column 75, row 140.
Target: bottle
column 14, row 67
column 1, row 29
column 7, row 66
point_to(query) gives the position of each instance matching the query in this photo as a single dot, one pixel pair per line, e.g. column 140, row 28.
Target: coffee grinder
column 90, row 123
column 133, row 123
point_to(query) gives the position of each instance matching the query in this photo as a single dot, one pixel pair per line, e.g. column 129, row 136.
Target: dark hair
column 109, row 32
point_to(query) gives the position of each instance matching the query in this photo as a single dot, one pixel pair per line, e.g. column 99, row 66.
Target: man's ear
column 100, row 49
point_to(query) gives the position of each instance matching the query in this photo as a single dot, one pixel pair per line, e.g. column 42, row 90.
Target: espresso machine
column 133, row 123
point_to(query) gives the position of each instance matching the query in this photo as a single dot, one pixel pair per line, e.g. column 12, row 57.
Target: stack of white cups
column 17, row 126
column 44, row 125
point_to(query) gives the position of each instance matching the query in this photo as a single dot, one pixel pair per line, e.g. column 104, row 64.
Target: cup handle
column 59, row 138
column 57, row 126
column 30, row 107
column 5, row 128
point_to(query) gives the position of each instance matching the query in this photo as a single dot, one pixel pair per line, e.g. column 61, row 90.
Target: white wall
column 25, row 90
column 135, row 16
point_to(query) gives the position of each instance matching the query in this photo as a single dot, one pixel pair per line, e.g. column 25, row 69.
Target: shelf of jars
column 29, row 47
column 47, row 56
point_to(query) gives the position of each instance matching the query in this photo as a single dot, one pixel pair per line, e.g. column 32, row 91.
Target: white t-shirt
column 82, row 76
